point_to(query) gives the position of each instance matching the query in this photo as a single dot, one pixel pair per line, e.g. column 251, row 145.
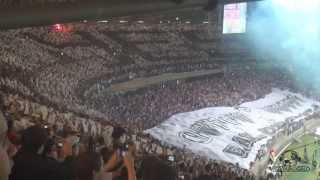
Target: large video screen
column 234, row 18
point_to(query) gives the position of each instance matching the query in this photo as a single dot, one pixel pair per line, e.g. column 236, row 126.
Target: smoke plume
column 288, row 33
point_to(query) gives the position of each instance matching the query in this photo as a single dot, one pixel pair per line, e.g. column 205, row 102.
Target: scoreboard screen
column 234, row 18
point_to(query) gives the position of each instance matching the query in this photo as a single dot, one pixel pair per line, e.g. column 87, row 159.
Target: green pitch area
column 311, row 145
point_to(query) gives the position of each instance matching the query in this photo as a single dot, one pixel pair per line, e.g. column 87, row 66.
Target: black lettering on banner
column 205, row 126
column 194, row 136
column 243, row 142
column 203, row 131
column 285, row 104
column 247, row 136
column 236, row 150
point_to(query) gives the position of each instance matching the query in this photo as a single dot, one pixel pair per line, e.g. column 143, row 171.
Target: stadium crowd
column 162, row 101
column 26, row 113
column 77, row 122
column 71, row 67
column 70, row 151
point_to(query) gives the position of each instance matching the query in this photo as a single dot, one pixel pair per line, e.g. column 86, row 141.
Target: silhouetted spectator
column 28, row 164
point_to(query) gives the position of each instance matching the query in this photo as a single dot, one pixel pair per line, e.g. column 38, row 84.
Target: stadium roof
column 32, row 15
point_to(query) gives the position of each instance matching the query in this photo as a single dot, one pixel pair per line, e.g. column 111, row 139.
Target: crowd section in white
column 235, row 134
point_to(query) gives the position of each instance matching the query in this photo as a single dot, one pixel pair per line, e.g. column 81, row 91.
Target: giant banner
column 234, row 134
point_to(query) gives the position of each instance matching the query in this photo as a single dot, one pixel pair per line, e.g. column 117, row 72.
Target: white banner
column 233, row 134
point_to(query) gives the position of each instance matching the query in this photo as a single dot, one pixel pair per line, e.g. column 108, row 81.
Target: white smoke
column 288, row 31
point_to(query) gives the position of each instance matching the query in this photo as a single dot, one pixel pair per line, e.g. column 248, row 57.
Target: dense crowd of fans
column 189, row 94
column 68, row 67
column 150, row 106
column 76, row 123
column 70, row 152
